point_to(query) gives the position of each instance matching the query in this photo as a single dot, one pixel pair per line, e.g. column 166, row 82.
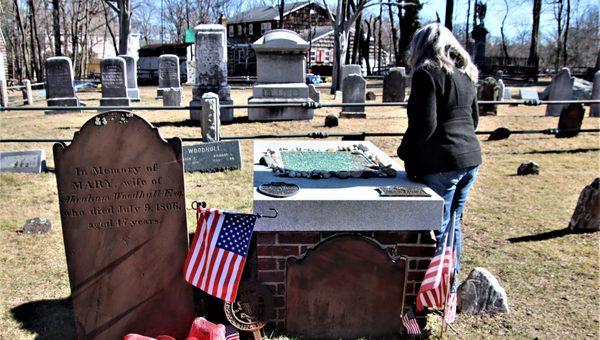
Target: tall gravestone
column 211, row 69
column 488, row 90
column 133, row 92
column 280, row 77
column 3, row 89
column 595, row 108
column 59, row 84
column 561, row 88
column 394, row 85
column 348, row 70
column 114, row 82
column 168, row 73
column 122, row 208
column 354, row 92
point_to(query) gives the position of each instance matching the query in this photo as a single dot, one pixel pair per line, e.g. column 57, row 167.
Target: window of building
column 264, row 26
column 251, row 29
column 240, row 30
column 327, row 56
column 231, row 31
column 313, row 56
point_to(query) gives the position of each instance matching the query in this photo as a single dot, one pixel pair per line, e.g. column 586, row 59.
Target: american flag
column 410, row 322
column 450, row 310
column 218, row 253
column 231, row 333
column 438, row 276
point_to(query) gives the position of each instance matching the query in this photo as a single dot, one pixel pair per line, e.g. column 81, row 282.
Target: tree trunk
column 449, row 13
column 467, row 26
column 110, row 31
column 567, row 24
column 357, row 38
column 281, row 12
column 394, row 33
column 365, row 48
column 379, row 40
column 558, row 15
column 56, row 27
column 534, row 58
column 408, row 26
column 124, row 25
column 504, row 47
column 26, row 65
column 32, row 45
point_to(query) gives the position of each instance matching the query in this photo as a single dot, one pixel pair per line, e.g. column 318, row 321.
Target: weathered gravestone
column 133, row 92
column 394, row 85
column 211, row 69
column 313, row 93
column 561, row 88
column 210, row 123
column 3, row 88
column 348, row 70
column 488, row 90
column 122, row 207
column 353, row 92
column 498, row 77
column 570, row 120
column 59, row 84
column 172, row 97
column 215, row 156
column 31, row 161
column 481, row 293
column 506, row 93
column 168, row 73
column 586, row 216
column 27, row 92
column 528, row 94
column 114, row 82
column 595, row 108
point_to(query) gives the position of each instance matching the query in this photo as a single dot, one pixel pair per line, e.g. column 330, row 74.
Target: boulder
column 331, row 121
column 37, row 225
column 528, row 168
column 582, row 89
column 371, row 95
column 586, row 216
column 481, row 293
column 499, row 134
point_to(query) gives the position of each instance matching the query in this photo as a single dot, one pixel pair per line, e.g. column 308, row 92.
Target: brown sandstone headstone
column 570, row 120
column 122, row 206
column 586, row 216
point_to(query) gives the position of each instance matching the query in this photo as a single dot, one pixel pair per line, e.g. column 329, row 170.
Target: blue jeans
column 454, row 187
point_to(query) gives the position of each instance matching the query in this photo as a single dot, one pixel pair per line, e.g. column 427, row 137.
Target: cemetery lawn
column 513, row 226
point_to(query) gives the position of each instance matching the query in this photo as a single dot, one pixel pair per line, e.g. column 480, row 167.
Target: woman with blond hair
column 440, row 148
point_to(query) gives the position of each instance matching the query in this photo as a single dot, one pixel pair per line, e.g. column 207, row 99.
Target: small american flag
column 231, row 333
column 218, row 253
column 450, row 310
column 439, row 274
column 410, row 322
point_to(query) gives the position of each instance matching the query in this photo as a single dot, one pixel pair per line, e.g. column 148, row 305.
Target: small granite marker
column 570, row 120
column 27, row 92
column 172, row 96
column 313, row 93
column 353, row 92
column 215, row 156
column 30, row 161
column 37, row 225
column 481, row 293
column 168, row 73
column 59, row 84
column 114, row 82
column 394, row 85
column 133, row 92
column 529, row 94
column 123, row 214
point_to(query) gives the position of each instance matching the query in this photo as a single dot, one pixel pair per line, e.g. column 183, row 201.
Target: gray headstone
column 570, row 120
column 348, row 70
column 528, row 94
column 561, row 88
column 481, row 293
column 394, row 85
column 27, row 92
column 3, row 88
column 168, row 72
column 37, row 225
column 506, row 93
column 59, row 84
column 313, row 93
column 586, row 216
column 31, row 161
column 211, row 67
column 502, row 89
column 133, row 92
column 595, row 108
column 353, row 91
column 210, row 117
column 114, row 82
column 215, row 156
column 172, row 96
column 488, row 90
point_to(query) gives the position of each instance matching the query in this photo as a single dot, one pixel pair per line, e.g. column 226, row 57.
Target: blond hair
column 435, row 44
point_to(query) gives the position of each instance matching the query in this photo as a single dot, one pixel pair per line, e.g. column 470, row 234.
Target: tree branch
column 111, row 5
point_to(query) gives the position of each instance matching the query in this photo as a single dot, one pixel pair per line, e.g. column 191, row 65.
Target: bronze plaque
column 347, row 287
column 122, row 207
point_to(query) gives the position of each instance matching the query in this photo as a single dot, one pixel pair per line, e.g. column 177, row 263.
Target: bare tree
column 56, row 27
column 504, row 47
column 123, row 9
column 449, row 13
column 533, row 58
column 566, row 35
column 558, row 15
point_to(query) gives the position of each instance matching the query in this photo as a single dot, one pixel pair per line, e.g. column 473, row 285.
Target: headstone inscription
column 168, row 73
column 3, row 88
column 394, row 85
column 354, row 92
column 59, row 84
column 215, row 156
column 133, row 92
column 595, row 108
column 211, row 69
column 561, row 88
column 31, row 161
column 114, row 82
column 123, row 218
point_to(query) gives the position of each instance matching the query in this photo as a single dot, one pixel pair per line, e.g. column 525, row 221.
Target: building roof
column 318, row 32
column 268, row 13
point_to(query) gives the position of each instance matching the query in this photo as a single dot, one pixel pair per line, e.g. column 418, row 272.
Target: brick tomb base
column 273, row 249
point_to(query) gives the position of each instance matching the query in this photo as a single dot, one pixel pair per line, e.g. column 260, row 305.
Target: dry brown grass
column 552, row 283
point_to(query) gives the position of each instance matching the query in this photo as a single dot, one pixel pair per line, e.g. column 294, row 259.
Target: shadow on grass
column 48, row 319
column 546, row 235
column 543, row 152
